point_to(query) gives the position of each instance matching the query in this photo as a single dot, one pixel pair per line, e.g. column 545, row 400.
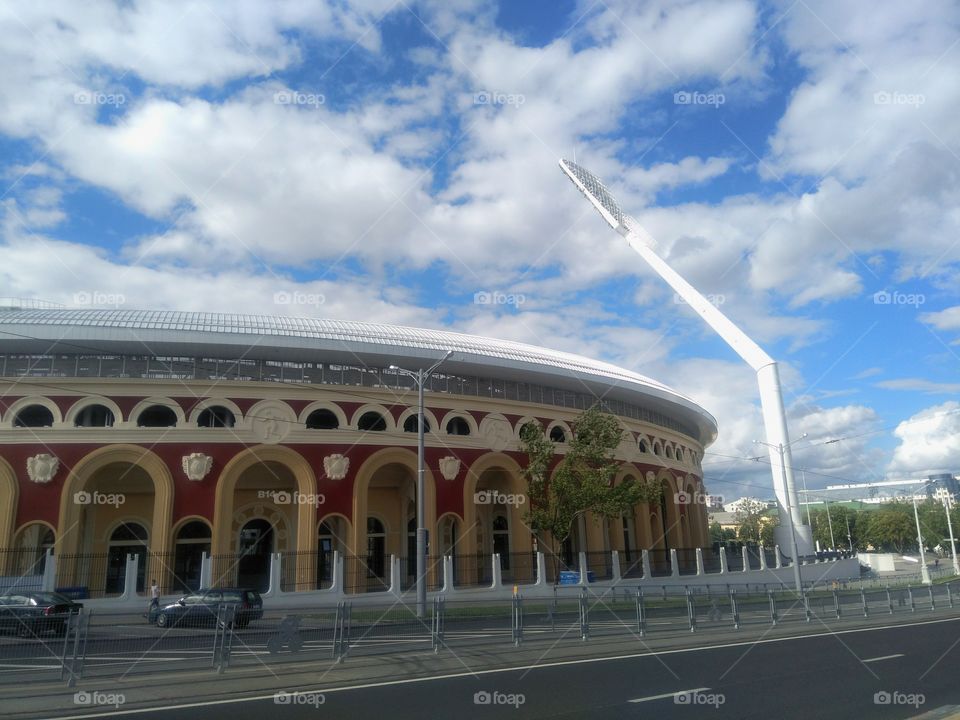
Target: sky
column 798, row 162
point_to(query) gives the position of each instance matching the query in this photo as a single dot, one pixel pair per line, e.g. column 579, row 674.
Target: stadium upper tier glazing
column 197, row 345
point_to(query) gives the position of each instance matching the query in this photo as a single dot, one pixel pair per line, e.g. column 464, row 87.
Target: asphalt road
column 836, row 675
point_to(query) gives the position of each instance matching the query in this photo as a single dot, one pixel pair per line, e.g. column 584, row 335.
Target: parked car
column 31, row 613
column 201, row 608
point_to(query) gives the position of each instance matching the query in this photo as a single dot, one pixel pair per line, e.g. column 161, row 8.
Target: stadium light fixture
column 768, row 376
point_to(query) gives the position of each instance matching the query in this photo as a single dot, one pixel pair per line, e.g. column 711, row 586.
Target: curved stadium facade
column 173, row 434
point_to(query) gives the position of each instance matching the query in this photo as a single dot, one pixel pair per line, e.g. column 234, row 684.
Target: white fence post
column 700, row 561
column 723, row 560
column 130, row 577
column 674, row 563
column 497, row 574
column 50, row 571
column 615, row 567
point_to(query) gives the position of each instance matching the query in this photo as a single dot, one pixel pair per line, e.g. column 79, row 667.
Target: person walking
column 154, row 595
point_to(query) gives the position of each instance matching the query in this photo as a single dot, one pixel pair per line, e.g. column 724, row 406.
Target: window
column 458, row 426
column 216, row 417
column 372, row 421
column 657, row 450
column 33, row 416
column 322, row 420
column 94, row 416
column 669, row 452
column 157, row 416
column 410, row 424
column 557, row 434
column 643, row 446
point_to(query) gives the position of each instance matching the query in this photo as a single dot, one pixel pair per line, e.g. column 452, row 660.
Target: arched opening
column 128, row 538
column 411, row 425
column 94, row 416
column 642, row 444
column 157, row 416
column 668, row 452
column 322, row 419
column 216, row 416
column 376, row 560
column 657, row 449
column 192, row 541
column 372, row 421
column 557, row 434
column 458, row 426
column 110, row 485
column 31, row 547
column 255, row 546
column 33, row 416
column 331, row 537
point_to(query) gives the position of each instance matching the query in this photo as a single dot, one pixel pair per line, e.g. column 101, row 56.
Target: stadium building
column 170, row 435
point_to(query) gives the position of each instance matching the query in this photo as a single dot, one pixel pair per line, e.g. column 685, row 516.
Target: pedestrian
column 154, row 595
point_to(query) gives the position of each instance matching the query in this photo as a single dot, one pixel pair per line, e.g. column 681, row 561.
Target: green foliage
column 753, row 523
column 892, row 527
column 583, row 480
column 721, row 534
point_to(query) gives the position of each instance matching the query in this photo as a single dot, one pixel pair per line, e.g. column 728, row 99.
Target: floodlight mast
column 768, row 376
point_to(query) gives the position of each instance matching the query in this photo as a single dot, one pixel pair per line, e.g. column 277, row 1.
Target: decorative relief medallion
column 336, row 466
column 497, row 432
column 271, row 421
column 196, row 466
column 449, row 467
column 41, row 468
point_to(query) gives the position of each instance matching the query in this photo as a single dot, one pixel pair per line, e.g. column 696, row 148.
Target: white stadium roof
column 213, row 335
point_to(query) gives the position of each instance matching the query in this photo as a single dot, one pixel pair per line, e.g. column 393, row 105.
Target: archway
column 277, row 484
column 385, row 490
column 135, row 472
column 494, row 501
column 192, row 541
column 30, row 550
column 127, row 538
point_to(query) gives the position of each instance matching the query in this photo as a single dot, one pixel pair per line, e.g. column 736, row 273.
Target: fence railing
column 219, row 637
column 104, row 574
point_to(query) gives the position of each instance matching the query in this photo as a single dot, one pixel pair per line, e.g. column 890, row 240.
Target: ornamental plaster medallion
column 196, row 466
column 336, row 466
column 271, row 421
column 41, row 468
column 497, row 432
column 449, row 467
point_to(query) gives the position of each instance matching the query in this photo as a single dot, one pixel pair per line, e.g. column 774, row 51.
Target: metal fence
column 110, row 645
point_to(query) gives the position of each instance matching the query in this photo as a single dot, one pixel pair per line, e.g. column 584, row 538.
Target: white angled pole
column 768, row 376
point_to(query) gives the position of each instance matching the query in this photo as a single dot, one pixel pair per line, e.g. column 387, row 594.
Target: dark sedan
column 203, row 608
column 31, row 613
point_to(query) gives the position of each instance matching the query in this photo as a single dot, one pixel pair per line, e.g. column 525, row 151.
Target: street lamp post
column 781, row 448
column 420, row 377
column 953, row 545
column 924, row 572
column 833, row 543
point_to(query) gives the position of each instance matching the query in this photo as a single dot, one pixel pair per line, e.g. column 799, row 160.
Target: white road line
column 494, row 671
column 669, row 695
column 883, row 657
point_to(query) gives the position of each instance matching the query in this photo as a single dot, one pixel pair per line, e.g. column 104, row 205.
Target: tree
column 750, row 518
column 583, row 481
column 892, row 527
column 720, row 534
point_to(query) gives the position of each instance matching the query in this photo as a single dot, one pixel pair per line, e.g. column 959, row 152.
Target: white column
column 130, row 578
column 616, row 566
column 700, row 561
column 206, row 571
column 723, row 560
column 674, row 563
column 497, row 575
column 541, row 569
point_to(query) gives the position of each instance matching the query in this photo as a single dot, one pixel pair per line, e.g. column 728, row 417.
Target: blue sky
column 791, row 160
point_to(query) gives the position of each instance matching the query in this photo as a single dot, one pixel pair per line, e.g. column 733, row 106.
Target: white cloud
column 929, row 442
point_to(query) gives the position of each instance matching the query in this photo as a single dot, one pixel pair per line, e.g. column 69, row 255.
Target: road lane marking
column 664, row 696
column 883, row 657
column 496, row 671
